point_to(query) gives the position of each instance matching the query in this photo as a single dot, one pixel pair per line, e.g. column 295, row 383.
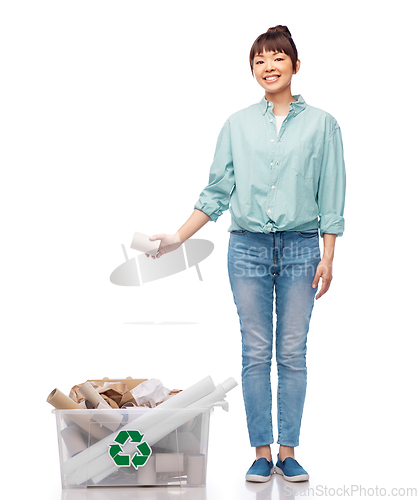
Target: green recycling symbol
column 139, row 459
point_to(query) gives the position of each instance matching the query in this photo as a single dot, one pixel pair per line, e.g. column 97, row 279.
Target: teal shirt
column 293, row 181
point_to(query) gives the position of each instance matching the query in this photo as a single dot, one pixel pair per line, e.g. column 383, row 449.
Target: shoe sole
column 293, row 479
column 254, row 478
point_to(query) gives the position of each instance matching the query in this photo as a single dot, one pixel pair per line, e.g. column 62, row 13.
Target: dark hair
column 276, row 39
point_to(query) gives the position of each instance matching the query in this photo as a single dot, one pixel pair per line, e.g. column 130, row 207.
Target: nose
column 269, row 65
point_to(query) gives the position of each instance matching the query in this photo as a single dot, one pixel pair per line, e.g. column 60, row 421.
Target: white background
column 110, row 113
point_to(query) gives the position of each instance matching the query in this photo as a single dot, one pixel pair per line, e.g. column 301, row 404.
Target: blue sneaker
column 260, row 471
column 291, row 470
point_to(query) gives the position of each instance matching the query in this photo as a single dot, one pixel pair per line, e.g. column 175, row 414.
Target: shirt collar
column 300, row 103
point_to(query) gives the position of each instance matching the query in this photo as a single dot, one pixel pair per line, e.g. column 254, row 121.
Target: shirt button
column 269, row 211
column 271, row 120
column 277, row 162
column 280, row 140
column 271, row 164
column 272, row 140
column 272, row 187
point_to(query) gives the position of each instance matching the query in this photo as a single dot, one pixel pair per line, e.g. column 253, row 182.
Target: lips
column 271, row 78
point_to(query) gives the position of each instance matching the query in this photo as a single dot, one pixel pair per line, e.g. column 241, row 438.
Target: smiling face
column 274, row 70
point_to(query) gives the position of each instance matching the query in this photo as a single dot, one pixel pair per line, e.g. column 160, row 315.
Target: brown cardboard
column 116, row 393
column 127, row 398
column 128, row 381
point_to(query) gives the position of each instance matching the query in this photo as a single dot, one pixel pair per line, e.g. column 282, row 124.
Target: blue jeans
column 258, row 265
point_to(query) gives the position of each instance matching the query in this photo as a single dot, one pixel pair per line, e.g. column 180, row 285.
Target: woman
column 279, row 168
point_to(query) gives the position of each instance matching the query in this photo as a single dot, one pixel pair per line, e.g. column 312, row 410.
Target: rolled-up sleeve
column 214, row 199
column 332, row 185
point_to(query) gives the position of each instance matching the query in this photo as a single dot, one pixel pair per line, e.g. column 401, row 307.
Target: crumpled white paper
column 151, row 390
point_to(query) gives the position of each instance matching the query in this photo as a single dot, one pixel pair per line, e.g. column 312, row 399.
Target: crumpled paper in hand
column 151, row 391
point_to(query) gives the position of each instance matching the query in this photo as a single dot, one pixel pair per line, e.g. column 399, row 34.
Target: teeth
column 271, row 77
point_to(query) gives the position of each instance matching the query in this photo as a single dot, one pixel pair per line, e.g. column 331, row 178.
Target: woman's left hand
column 323, row 271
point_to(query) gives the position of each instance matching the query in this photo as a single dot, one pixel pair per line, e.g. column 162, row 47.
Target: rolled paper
column 185, row 441
column 103, row 475
column 62, row 402
column 110, row 420
column 92, row 396
column 81, row 406
column 227, row 386
column 147, row 475
column 102, row 465
column 169, row 462
column 142, row 243
column 144, row 421
column 74, row 440
column 96, row 400
column 196, row 469
column 163, row 428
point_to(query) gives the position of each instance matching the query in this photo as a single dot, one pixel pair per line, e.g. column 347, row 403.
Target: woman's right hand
column 169, row 243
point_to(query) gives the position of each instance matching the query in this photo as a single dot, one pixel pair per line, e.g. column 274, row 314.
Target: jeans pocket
column 309, row 233
column 239, row 231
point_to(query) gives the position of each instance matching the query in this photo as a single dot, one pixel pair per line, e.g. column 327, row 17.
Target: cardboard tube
column 62, row 402
column 90, row 393
column 142, row 243
column 88, row 405
column 74, row 440
column 147, row 475
column 81, row 405
column 169, row 462
column 151, row 417
column 102, row 465
column 196, row 469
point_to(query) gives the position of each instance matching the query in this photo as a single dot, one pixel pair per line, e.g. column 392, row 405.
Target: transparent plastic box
column 110, row 447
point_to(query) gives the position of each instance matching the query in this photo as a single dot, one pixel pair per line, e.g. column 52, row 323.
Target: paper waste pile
column 135, row 426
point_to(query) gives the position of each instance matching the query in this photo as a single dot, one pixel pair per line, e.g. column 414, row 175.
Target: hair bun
column 281, row 29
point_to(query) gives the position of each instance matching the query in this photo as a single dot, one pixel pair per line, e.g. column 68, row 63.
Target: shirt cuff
column 331, row 224
column 211, row 209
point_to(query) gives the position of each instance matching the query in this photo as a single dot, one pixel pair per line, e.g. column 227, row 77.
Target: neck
column 281, row 101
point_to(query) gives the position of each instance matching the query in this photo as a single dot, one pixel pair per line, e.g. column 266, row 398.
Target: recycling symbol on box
column 140, row 457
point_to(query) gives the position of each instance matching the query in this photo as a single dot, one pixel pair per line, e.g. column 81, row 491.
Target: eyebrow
column 281, row 53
